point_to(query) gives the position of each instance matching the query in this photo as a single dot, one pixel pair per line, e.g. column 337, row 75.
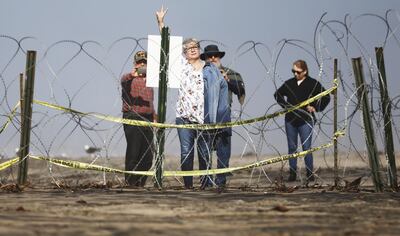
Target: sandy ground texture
column 60, row 201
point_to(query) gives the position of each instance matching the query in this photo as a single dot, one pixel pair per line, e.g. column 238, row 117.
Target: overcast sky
column 88, row 80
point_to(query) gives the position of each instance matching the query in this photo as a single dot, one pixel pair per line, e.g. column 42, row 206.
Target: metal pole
column 162, row 100
column 369, row 131
column 335, row 121
column 21, row 95
column 27, row 117
column 387, row 117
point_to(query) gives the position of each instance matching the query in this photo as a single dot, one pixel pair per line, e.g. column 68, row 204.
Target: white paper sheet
column 153, row 61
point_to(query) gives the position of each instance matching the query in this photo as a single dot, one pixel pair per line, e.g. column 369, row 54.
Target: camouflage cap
column 140, row 55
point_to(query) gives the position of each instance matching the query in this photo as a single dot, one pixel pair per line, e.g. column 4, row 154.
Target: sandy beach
column 62, row 201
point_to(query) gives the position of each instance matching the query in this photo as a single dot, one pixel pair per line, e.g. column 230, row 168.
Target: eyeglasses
column 297, row 72
column 192, row 48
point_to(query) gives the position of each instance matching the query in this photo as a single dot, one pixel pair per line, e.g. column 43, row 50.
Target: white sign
column 153, row 60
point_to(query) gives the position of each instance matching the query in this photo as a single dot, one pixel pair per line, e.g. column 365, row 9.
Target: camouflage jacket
column 235, row 84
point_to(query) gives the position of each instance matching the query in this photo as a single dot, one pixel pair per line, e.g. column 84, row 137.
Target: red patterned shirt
column 136, row 97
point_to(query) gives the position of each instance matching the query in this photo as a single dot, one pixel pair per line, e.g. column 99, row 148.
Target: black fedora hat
column 210, row 50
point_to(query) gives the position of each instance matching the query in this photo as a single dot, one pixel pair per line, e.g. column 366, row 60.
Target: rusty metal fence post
column 335, row 125
column 369, row 130
column 26, row 118
column 387, row 119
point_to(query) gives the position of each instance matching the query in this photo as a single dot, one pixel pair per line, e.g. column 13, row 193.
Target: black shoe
column 188, row 186
column 292, row 176
column 205, row 182
column 221, row 188
column 132, row 183
column 310, row 176
column 205, row 186
column 188, row 182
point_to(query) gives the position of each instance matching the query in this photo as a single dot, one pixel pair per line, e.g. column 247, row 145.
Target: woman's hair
column 188, row 41
column 302, row 65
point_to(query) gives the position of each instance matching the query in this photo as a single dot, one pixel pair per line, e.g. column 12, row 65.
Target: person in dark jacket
column 300, row 122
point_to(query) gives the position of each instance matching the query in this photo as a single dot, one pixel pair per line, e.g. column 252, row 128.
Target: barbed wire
column 85, row 76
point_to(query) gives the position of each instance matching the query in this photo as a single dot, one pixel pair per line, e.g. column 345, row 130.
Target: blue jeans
column 223, row 147
column 187, row 139
column 305, row 133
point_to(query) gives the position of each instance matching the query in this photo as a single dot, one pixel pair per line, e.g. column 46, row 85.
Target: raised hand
column 160, row 17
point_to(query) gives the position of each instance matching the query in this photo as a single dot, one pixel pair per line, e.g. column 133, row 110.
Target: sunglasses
column 212, row 55
column 297, row 72
column 141, row 61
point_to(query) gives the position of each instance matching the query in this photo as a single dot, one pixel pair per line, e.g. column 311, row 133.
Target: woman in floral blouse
column 202, row 98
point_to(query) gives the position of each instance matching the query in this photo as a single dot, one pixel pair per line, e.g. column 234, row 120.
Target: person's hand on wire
column 310, row 109
column 224, row 74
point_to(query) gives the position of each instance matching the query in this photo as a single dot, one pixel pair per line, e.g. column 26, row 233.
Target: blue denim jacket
column 216, row 106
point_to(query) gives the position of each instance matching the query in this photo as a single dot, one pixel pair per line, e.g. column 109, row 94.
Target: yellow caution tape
column 8, row 163
column 9, row 118
column 86, row 166
column 250, row 166
column 188, row 126
column 338, row 134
